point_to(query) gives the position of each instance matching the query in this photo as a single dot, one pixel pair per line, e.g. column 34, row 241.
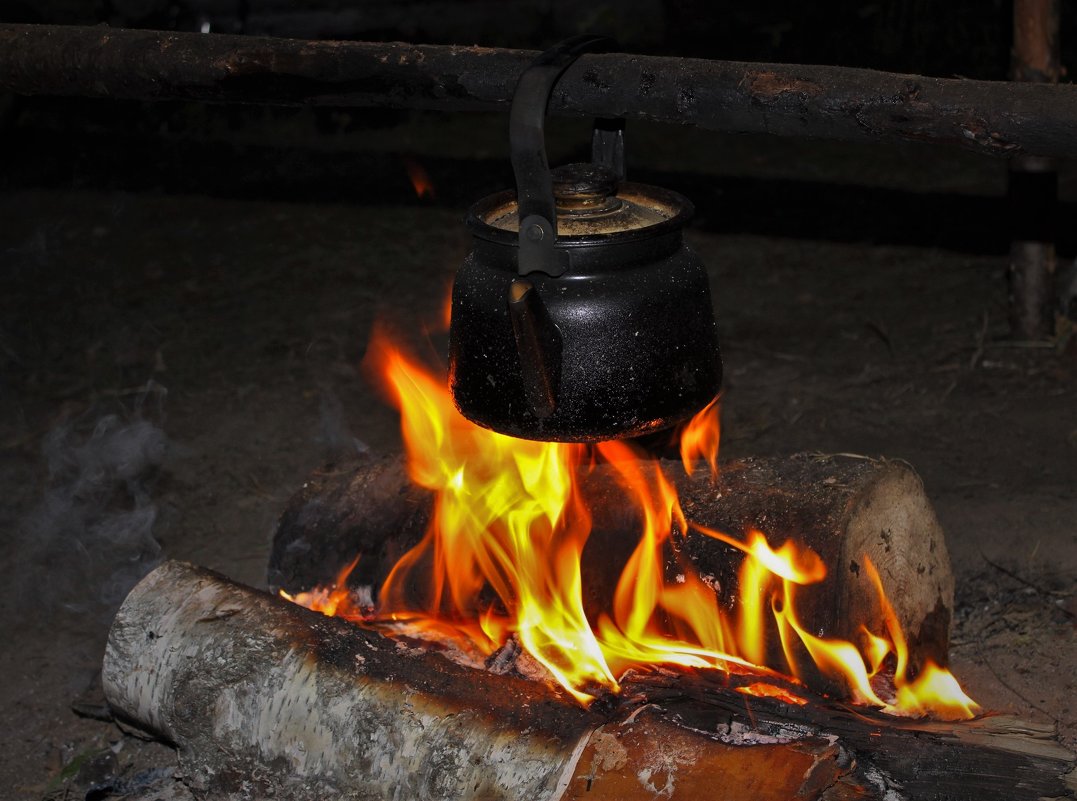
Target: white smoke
column 333, row 428
column 90, row 538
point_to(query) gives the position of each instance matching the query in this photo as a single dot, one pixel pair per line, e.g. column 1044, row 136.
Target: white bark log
column 264, row 696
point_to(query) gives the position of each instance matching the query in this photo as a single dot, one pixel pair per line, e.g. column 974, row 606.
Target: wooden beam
column 993, row 118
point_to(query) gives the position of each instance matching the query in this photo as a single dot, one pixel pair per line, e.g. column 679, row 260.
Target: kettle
column 579, row 314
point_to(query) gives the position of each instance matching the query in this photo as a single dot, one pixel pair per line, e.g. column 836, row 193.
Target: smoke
column 90, row 538
column 333, row 428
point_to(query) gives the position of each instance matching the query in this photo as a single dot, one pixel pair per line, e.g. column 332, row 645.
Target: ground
column 174, row 365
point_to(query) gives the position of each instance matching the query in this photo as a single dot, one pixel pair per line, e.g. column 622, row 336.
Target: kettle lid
column 591, row 206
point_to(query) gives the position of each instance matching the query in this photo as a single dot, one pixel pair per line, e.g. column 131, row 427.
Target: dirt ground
column 174, row 365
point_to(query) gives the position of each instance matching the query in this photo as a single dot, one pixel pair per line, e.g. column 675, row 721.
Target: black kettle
column 579, row 314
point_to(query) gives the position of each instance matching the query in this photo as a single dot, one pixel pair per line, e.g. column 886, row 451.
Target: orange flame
column 761, row 689
column 335, row 600
column 699, row 439
column 420, row 179
column 502, row 558
column 446, row 311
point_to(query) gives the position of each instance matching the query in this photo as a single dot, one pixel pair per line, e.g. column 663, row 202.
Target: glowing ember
column 501, row 558
column 763, row 690
column 335, row 600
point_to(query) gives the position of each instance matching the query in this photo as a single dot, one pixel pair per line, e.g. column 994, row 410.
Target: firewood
column 266, row 699
column 844, row 508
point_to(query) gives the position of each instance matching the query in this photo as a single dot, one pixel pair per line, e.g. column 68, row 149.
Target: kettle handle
column 534, row 186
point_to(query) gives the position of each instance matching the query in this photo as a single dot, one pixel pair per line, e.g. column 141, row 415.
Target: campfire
column 499, row 567
column 645, row 655
column 484, row 617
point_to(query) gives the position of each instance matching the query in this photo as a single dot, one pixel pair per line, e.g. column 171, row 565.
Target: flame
column 935, row 690
column 761, row 689
column 699, row 439
column 446, row 310
column 420, row 179
column 502, row 559
column 336, row 600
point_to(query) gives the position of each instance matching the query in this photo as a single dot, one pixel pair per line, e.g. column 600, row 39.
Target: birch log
column 263, row 697
column 266, row 699
column 845, row 509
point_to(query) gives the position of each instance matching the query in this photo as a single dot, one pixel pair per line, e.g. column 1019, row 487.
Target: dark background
column 341, row 155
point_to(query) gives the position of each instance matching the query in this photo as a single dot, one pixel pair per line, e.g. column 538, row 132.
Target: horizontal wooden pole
column 990, row 117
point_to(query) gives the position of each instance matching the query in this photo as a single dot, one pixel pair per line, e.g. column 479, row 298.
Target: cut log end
column 893, row 524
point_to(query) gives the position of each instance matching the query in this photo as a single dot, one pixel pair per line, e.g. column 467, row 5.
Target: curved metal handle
column 527, row 119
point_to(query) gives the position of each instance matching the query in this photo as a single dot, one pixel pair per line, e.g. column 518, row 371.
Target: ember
column 763, row 690
column 501, row 558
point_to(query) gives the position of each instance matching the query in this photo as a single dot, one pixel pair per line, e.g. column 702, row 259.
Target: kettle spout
column 538, row 343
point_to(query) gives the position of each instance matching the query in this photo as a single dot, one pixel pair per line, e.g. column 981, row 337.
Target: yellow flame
column 935, row 690
column 335, row 600
column 502, row 558
column 699, row 439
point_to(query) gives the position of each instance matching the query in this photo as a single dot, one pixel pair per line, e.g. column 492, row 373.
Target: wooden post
column 1033, row 180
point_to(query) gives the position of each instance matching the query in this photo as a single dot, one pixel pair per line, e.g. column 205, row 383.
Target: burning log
column 846, row 509
column 264, row 698
column 990, row 117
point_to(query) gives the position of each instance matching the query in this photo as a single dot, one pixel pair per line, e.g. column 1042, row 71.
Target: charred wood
column 843, row 508
column 993, row 118
column 263, row 698
column 989, row 757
